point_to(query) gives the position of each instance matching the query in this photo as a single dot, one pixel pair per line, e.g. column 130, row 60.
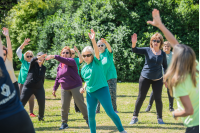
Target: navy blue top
column 9, row 100
column 153, row 63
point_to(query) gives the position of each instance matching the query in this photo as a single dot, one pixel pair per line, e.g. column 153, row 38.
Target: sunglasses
column 73, row 53
column 29, row 56
column 158, row 41
column 4, row 54
column 88, row 55
column 65, row 52
column 101, row 45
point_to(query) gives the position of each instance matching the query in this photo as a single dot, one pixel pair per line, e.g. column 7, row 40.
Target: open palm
column 134, row 38
column 92, row 35
column 5, row 31
column 26, row 41
column 156, row 18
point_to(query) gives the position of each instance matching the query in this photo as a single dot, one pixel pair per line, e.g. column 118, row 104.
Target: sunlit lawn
column 126, row 97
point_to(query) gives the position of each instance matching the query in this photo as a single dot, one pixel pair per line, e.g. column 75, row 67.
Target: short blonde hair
column 88, row 49
column 167, row 42
column 159, row 36
column 30, row 52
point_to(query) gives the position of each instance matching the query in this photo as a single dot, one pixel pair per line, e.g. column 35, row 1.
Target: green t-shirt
column 23, row 70
column 93, row 75
column 187, row 88
column 108, row 64
column 169, row 58
column 77, row 63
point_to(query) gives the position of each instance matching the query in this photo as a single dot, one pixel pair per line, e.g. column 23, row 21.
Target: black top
column 153, row 63
column 9, row 100
column 36, row 74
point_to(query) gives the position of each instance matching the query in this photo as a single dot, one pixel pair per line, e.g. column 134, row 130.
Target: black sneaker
column 40, row 118
column 63, row 126
column 87, row 123
column 148, row 108
column 172, row 109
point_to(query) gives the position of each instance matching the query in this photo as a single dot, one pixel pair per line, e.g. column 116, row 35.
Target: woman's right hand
column 134, row 40
column 26, row 41
column 156, row 18
column 82, row 90
column 92, row 35
column 54, row 93
column 50, row 57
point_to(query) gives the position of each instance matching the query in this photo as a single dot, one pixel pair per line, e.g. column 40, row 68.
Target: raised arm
column 19, row 50
column 79, row 55
column 107, row 45
column 92, row 37
column 9, row 47
column 1, row 48
column 158, row 23
column 134, row 48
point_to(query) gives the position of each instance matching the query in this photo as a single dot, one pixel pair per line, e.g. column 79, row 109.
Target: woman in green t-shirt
column 25, row 60
column 182, row 78
column 106, row 56
column 96, row 86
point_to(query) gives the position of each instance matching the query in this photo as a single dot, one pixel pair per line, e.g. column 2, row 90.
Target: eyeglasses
column 65, row 52
column 4, row 54
column 101, row 45
column 88, row 55
column 29, row 56
column 73, row 53
column 158, row 41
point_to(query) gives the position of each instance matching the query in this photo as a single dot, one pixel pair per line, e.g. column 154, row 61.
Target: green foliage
column 58, row 23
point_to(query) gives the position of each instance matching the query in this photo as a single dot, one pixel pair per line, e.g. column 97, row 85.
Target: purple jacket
column 68, row 75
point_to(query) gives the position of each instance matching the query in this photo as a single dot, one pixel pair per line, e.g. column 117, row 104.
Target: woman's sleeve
column 66, row 61
column 19, row 54
column 139, row 50
column 33, row 60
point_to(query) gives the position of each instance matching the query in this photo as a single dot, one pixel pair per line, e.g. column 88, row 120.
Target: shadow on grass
column 140, row 112
column 133, row 96
column 113, row 128
column 52, row 98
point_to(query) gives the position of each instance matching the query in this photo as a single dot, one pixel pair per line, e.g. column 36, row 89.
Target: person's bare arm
column 9, row 47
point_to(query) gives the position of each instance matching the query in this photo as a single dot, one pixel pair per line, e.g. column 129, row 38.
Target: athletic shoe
column 123, row 131
column 63, row 126
column 172, row 109
column 97, row 112
column 160, row 121
column 87, row 123
column 134, row 120
column 40, row 119
column 116, row 112
column 148, row 108
column 32, row 115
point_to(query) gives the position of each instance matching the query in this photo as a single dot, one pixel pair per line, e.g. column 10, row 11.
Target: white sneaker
column 123, row 131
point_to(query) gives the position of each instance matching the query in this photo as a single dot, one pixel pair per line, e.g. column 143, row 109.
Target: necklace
column 156, row 53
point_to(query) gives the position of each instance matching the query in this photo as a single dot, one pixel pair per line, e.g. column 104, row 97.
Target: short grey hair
column 88, row 49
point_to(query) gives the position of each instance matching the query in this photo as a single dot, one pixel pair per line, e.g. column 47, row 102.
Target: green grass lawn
column 126, row 98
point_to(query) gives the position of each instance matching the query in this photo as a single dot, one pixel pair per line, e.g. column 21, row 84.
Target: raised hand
column 42, row 56
column 92, row 35
column 5, row 31
column 75, row 48
column 50, row 57
column 134, row 38
column 103, row 40
column 156, row 18
column 26, row 41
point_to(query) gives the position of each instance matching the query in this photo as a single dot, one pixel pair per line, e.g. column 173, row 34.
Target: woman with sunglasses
column 13, row 116
column 106, row 56
column 151, row 74
column 96, row 86
column 34, row 83
column 8, row 59
column 25, row 60
column 68, row 77
column 78, row 63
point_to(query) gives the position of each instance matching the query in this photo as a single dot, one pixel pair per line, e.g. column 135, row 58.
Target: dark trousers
column 144, row 85
column 39, row 94
column 171, row 99
column 194, row 129
column 17, row 123
column 76, row 107
column 17, row 88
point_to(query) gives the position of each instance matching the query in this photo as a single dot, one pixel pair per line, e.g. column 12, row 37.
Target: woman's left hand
column 5, row 31
column 92, row 35
column 103, row 40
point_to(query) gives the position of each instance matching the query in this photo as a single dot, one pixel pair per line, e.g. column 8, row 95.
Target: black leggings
column 17, row 123
column 40, row 96
column 144, row 85
column 194, row 129
column 171, row 99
